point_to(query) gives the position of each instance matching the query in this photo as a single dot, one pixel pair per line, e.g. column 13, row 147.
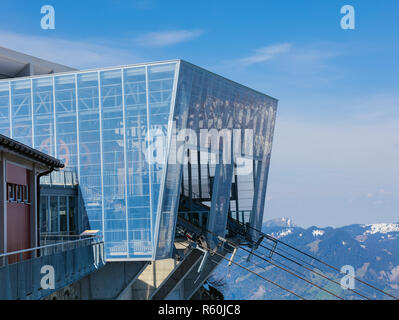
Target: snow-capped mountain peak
column 381, row 228
column 316, row 233
column 279, row 222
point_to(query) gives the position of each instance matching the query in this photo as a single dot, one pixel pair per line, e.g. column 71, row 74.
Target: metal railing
column 60, row 178
column 198, row 218
column 206, row 194
column 242, row 216
column 56, row 237
column 21, row 278
column 45, row 250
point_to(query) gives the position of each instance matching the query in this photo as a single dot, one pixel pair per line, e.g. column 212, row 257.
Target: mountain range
column 372, row 251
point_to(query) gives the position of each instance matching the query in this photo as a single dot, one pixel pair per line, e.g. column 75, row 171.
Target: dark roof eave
column 29, row 152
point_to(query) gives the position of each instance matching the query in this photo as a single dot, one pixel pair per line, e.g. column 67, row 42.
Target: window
column 16, row 192
column 54, row 226
column 63, row 214
column 44, row 214
column 26, row 194
column 19, row 193
column 11, row 192
column 72, row 206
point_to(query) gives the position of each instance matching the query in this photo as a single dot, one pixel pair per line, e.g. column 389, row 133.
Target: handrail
column 60, row 235
column 241, row 215
column 20, row 270
column 48, row 246
column 65, row 233
column 192, row 192
column 195, row 211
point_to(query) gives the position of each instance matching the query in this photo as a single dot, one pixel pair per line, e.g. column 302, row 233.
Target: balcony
column 60, row 179
column 23, row 273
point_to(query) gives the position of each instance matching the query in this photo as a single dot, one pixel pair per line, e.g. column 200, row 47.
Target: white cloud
column 292, row 65
column 293, row 56
column 78, row 54
column 394, row 276
column 266, row 53
column 167, row 38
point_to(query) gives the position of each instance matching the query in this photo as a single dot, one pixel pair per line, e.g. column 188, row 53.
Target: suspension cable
column 253, row 272
column 307, row 268
column 282, row 268
column 318, row 260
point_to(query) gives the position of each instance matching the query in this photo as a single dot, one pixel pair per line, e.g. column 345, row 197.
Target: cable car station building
column 146, row 146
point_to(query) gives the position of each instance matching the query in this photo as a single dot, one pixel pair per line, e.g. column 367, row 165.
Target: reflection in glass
column 53, row 214
column 71, row 211
column 44, row 214
column 43, row 115
column 21, row 111
column 63, row 214
column 4, row 109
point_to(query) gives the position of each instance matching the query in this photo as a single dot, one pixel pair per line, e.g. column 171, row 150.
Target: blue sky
column 336, row 149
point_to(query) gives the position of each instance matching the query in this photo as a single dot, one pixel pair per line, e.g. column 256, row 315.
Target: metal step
column 177, row 275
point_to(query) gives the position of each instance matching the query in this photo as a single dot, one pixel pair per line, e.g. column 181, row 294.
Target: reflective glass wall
column 101, row 124
column 58, row 215
column 207, row 101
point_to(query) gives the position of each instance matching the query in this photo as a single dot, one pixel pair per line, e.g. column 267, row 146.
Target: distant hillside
column 373, row 251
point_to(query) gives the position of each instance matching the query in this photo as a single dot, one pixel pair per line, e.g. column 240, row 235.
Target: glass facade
column 57, row 214
column 106, row 126
column 207, row 101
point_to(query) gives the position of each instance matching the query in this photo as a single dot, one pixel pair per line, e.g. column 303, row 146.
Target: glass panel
column 138, row 188
column 68, row 178
column 160, row 87
column 263, row 168
column 44, row 213
column 45, row 179
column 72, row 208
column 63, row 214
column 4, row 109
column 53, row 214
column 113, row 163
column 43, row 115
column 19, row 193
column 174, row 171
column 21, row 111
column 66, row 124
column 26, row 193
column 57, row 178
column 89, row 145
column 220, row 104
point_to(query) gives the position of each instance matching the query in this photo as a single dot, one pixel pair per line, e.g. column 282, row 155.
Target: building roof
column 29, row 152
column 16, row 64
